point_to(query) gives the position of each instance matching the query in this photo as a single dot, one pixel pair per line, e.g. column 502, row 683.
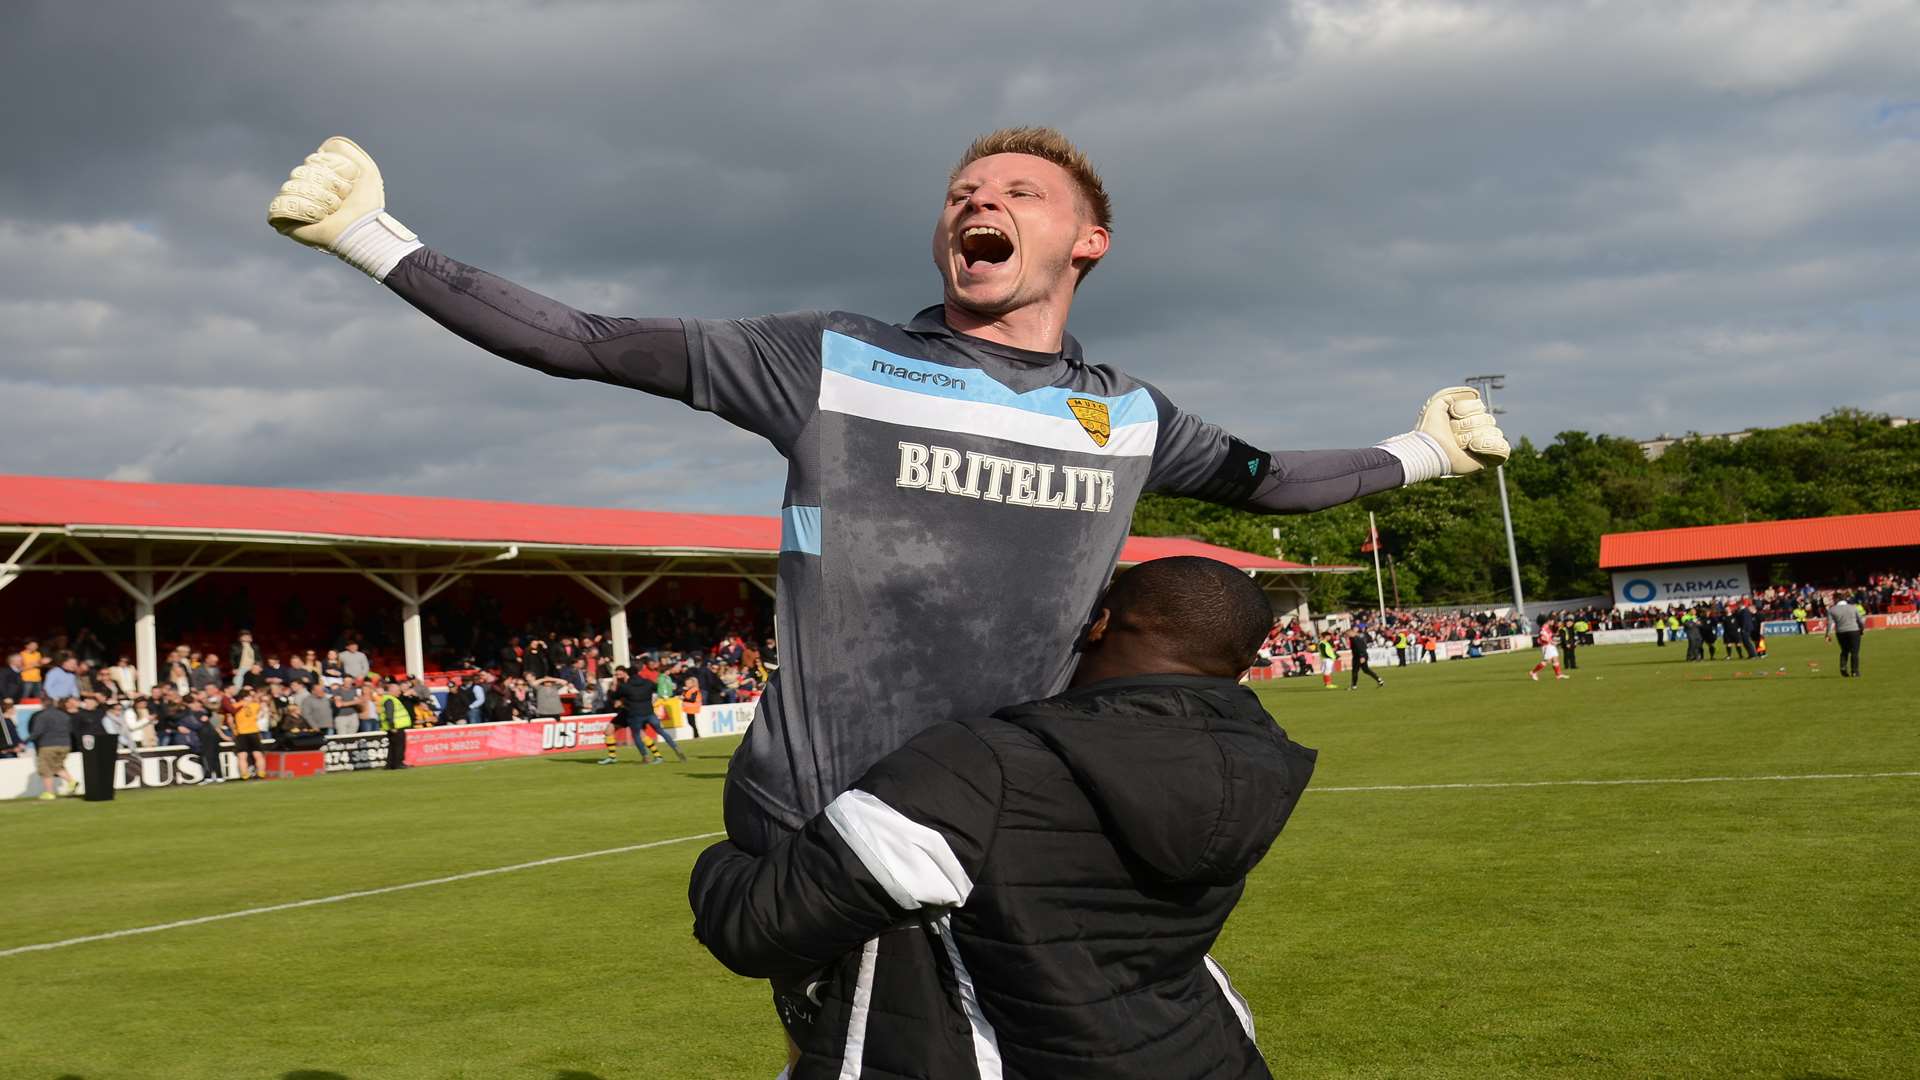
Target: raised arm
column 546, row 335
column 1454, row 435
column 761, row 374
column 911, row 834
column 336, row 201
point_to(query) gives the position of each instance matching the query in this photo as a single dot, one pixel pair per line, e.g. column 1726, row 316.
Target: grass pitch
column 1739, row 928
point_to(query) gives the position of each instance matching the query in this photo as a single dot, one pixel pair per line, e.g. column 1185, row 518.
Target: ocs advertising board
column 1635, row 589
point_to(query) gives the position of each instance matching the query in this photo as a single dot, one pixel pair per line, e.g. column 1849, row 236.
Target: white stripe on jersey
column 857, row 397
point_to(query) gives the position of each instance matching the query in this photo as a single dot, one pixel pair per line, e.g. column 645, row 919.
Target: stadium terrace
column 95, row 544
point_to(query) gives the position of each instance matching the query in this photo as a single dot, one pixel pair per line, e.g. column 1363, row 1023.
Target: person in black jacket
column 99, row 749
column 1357, row 644
column 1067, row 863
column 13, row 686
column 11, row 743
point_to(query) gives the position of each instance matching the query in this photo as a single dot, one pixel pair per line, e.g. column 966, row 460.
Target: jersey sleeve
column 541, row 333
column 912, row 834
column 761, row 373
column 1198, row 459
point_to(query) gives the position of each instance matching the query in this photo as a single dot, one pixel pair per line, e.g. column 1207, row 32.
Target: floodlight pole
column 1487, row 384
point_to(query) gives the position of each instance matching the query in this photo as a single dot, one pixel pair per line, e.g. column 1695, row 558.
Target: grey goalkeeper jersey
column 953, row 510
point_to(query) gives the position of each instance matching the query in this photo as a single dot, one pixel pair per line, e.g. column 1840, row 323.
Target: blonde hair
column 1048, row 145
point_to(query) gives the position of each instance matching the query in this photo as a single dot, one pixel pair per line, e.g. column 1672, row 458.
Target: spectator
column 241, row 656
column 499, row 707
column 547, row 702
column 479, row 699
column 536, row 664
column 203, row 734
column 370, row 691
column 13, row 686
column 346, row 707
column 354, row 663
column 512, row 659
column 454, row 709
column 61, row 683
column 50, row 729
column 125, row 678
column 518, row 697
column 138, row 729
column 11, row 744
column 30, row 661
column 316, row 709
column 204, row 675
column 90, row 680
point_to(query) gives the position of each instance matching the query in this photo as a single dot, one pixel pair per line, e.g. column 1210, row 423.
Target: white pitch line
column 1611, row 783
column 384, row 889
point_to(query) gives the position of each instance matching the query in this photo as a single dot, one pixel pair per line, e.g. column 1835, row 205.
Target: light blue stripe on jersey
column 800, row 529
column 871, row 363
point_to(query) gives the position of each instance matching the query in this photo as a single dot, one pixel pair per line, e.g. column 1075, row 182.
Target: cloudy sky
column 1651, row 216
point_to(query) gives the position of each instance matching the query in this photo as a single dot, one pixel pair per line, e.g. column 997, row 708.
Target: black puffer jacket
column 1044, row 886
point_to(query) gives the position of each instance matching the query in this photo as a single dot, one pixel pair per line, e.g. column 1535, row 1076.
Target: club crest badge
column 1093, row 418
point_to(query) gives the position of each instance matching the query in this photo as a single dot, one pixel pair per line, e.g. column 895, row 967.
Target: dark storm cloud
column 1651, row 217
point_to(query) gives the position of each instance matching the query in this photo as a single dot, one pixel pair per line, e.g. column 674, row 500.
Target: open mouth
column 982, row 246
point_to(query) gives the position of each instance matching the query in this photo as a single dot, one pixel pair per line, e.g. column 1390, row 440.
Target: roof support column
column 146, row 642
column 146, row 633
column 617, row 597
column 411, row 599
column 617, row 631
column 410, row 626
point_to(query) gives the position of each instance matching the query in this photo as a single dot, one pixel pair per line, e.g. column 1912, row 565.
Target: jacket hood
column 1189, row 774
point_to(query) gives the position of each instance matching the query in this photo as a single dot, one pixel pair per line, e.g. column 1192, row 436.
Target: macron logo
column 906, row 374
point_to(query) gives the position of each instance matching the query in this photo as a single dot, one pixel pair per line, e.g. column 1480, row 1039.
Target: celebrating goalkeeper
column 958, row 485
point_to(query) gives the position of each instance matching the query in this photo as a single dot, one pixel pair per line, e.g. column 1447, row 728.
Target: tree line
column 1445, row 538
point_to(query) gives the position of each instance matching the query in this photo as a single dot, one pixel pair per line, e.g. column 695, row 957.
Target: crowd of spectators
column 1413, row 635
column 246, row 694
column 1881, row 594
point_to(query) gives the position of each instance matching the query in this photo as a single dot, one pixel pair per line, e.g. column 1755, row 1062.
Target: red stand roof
column 1760, row 539
column 264, row 513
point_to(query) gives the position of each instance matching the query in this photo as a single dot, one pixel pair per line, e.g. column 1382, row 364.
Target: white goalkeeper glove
column 1454, row 435
column 334, row 201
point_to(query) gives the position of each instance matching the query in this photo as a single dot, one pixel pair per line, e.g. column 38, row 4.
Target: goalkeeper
column 958, row 485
